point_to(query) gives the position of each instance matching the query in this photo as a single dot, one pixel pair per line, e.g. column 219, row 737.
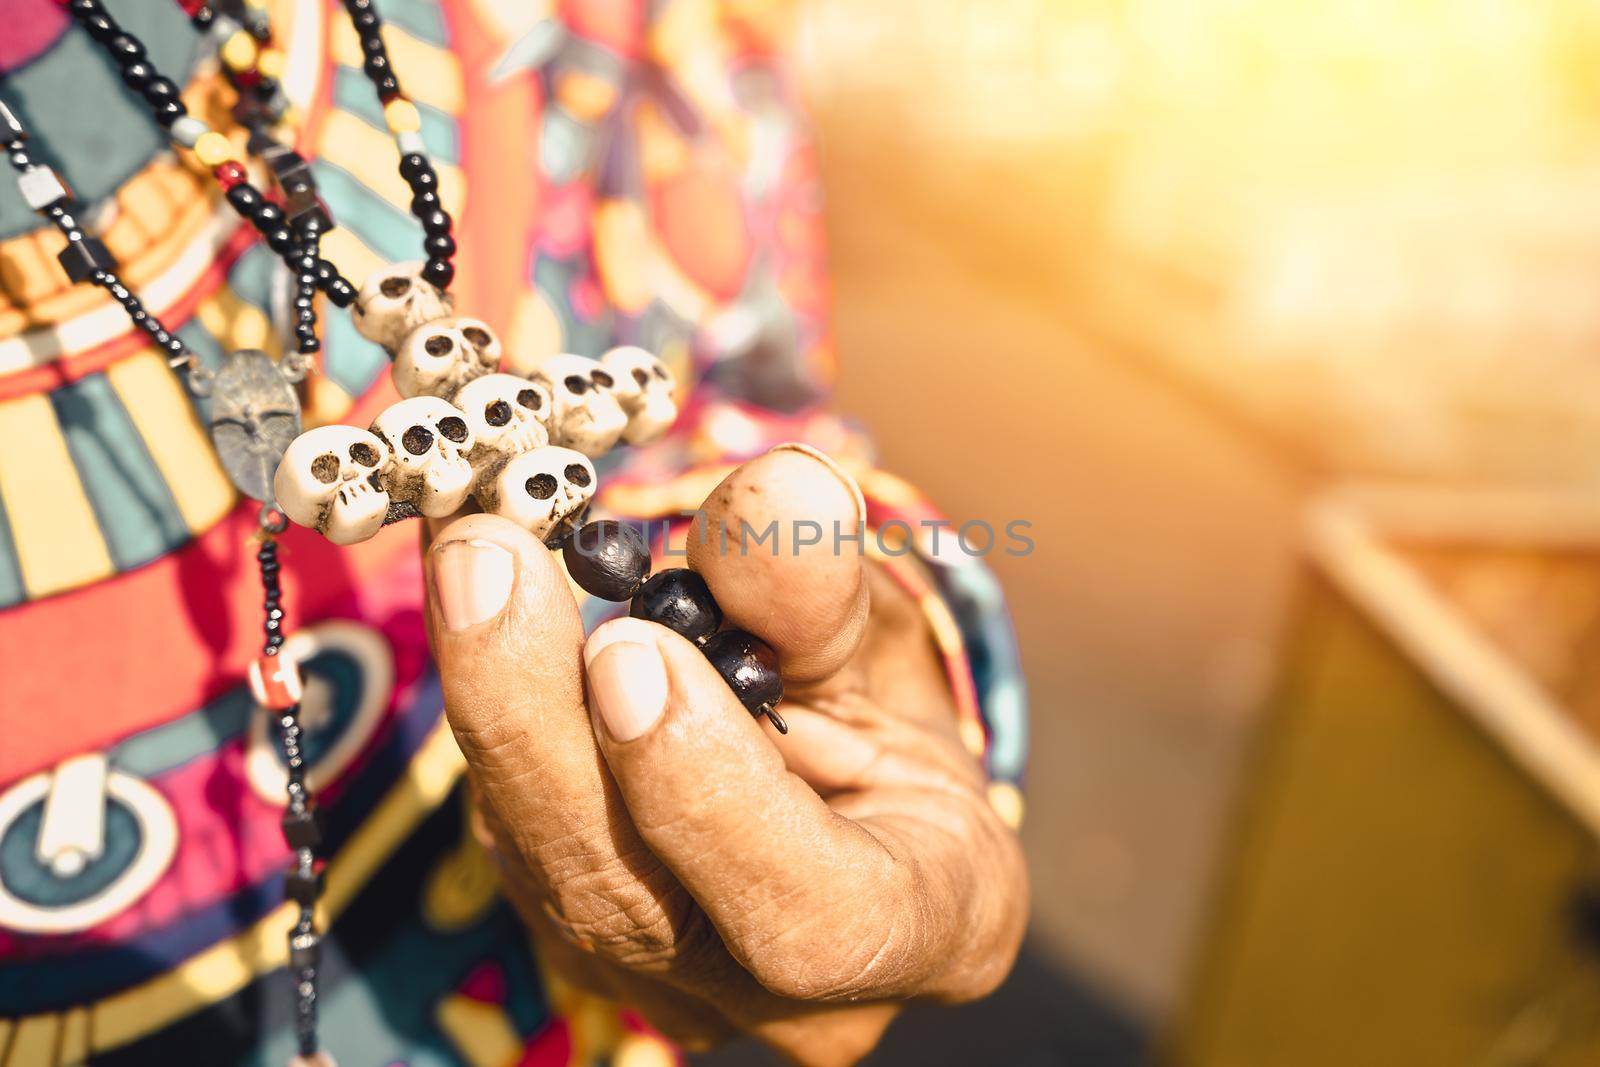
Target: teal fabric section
column 421, row 18
column 201, row 343
column 385, row 229
column 352, row 361
column 352, row 92
column 173, row 744
column 251, row 277
column 130, row 498
column 94, row 148
column 11, row 590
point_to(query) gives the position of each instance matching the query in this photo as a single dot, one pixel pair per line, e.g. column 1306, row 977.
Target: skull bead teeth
column 438, row 358
column 545, row 491
column 396, row 300
column 506, row 415
column 586, row 415
column 644, row 388
column 429, row 439
column 331, row 480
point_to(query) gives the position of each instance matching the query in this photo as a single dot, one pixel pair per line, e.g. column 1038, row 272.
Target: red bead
column 230, row 174
column 248, row 78
column 191, row 6
column 275, row 682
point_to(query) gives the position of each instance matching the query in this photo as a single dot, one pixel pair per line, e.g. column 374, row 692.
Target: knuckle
column 844, row 951
column 628, row 909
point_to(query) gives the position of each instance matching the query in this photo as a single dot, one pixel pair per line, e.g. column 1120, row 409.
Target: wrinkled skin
column 718, row 877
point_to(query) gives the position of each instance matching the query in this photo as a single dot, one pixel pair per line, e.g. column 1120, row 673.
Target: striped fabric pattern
column 115, row 469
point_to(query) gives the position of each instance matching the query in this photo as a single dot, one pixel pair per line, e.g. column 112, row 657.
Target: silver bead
column 40, row 187
column 188, row 129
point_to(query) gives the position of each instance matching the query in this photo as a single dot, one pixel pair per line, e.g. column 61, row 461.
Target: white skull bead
column 331, row 480
column 438, row 358
column 643, row 386
column 506, row 416
column 430, row 439
column 396, row 300
column 541, row 490
column 586, row 416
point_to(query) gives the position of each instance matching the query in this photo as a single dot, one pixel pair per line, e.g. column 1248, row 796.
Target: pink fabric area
column 31, row 27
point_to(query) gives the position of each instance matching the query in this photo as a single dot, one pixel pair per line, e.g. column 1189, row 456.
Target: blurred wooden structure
column 1417, row 834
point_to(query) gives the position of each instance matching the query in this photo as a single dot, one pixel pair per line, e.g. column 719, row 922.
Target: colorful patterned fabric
column 621, row 171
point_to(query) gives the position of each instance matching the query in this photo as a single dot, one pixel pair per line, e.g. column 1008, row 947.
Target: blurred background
column 1282, row 317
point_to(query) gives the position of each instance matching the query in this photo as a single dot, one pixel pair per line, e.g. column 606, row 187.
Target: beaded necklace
column 519, row 447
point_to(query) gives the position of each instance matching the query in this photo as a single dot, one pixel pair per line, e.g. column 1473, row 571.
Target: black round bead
column 439, row 246
column 341, row 293
column 412, row 164
column 281, row 239
column 137, row 75
column 376, row 65
column 425, row 182
column 170, row 111
column 125, row 49
column 436, row 223
column 439, row 273
column 749, row 666
column 679, row 600
column 365, row 21
column 387, row 87
column 608, row 559
column 425, row 203
column 160, row 88
column 100, row 25
column 268, row 214
column 244, row 198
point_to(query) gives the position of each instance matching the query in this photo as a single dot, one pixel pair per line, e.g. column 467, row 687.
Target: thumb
column 508, row 641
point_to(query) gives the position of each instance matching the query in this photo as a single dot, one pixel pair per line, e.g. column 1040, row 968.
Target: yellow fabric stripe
column 369, row 154
column 430, row 75
column 58, row 540
column 351, row 255
column 178, row 444
column 481, row 1032
column 74, row 1043
column 34, row 1042
column 226, row 968
column 236, row 324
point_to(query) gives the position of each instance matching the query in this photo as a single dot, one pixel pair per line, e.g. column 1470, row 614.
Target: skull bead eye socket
column 640, row 378
column 325, row 468
column 541, row 486
column 438, row 345
column 602, row 379
column 497, row 413
column 454, row 429
column 577, row 474
column 576, row 384
column 417, row 439
column 660, row 371
column 364, row 454
column 479, row 338
column 394, row 287
column 530, row 399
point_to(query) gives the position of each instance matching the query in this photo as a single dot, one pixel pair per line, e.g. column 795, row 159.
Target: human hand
column 670, row 851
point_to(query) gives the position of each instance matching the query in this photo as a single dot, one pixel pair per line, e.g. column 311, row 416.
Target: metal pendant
column 255, row 414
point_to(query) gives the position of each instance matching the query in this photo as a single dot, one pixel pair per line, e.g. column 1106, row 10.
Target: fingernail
column 627, row 678
column 832, row 465
column 472, row 580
